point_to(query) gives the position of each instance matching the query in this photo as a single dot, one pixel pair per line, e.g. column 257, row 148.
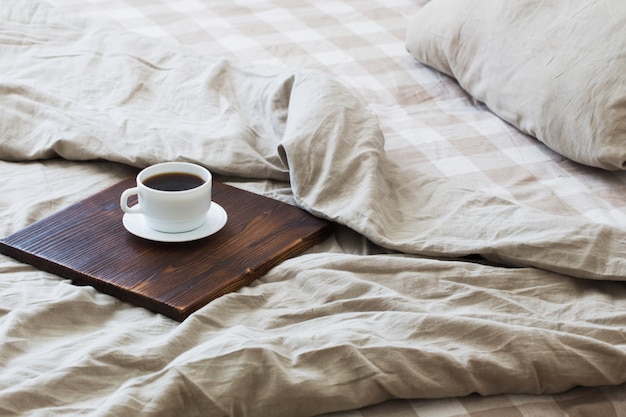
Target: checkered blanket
column 396, row 326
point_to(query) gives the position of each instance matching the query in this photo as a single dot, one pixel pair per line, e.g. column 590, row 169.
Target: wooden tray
column 88, row 244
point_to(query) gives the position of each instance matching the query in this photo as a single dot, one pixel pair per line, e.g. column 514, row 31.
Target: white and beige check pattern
column 429, row 122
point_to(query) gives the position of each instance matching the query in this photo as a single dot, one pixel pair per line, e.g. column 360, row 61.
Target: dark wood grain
column 88, row 244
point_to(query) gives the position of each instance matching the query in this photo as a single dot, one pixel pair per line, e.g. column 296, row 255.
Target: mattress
column 473, row 270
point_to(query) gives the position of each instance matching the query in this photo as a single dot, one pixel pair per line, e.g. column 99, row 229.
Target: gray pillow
column 556, row 69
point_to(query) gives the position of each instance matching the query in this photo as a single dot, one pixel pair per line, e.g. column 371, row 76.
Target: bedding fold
column 102, row 93
column 319, row 333
column 327, row 331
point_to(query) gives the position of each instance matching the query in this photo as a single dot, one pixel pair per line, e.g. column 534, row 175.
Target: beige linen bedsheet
column 384, row 309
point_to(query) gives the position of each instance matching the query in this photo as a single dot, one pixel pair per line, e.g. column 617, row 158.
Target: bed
column 470, row 155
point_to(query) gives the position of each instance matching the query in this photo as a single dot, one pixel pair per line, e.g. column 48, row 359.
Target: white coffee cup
column 173, row 197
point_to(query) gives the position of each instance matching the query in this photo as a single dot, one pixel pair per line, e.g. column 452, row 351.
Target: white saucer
column 216, row 219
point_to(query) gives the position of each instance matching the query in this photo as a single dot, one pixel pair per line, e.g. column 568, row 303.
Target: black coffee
column 173, row 181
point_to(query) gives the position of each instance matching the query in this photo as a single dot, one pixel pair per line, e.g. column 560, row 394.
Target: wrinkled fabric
column 101, row 93
column 554, row 69
column 337, row 328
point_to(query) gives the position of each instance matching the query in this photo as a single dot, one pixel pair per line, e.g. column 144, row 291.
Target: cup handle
column 124, row 201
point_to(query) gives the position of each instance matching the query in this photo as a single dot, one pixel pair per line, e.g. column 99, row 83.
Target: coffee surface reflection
column 173, row 181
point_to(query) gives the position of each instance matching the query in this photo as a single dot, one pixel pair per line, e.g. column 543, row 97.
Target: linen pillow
column 556, row 69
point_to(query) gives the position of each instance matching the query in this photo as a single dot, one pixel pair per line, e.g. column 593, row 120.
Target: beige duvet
column 389, row 307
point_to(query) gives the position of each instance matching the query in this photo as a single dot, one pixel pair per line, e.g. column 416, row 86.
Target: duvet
column 427, row 289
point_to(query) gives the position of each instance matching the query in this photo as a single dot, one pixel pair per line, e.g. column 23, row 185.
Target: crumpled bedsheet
column 456, row 292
